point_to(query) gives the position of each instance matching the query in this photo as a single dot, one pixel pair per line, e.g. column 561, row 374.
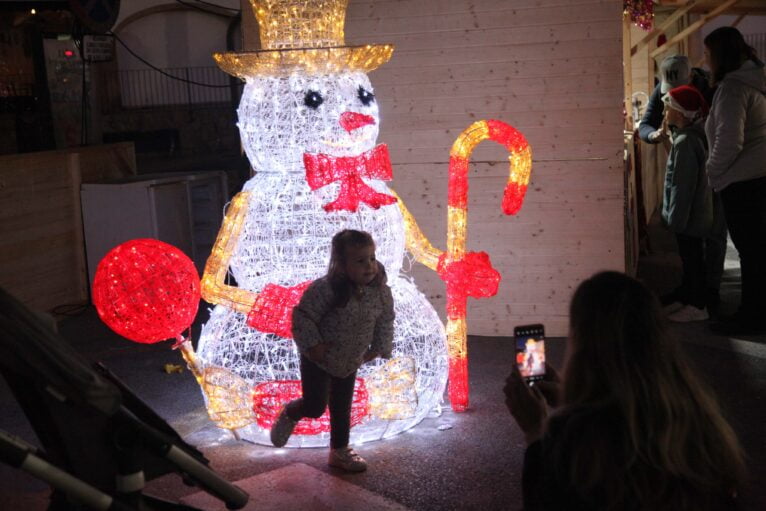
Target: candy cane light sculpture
column 471, row 274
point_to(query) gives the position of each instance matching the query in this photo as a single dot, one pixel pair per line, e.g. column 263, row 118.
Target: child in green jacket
column 687, row 206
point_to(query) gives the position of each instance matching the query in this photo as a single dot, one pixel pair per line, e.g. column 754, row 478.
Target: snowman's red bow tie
column 323, row 169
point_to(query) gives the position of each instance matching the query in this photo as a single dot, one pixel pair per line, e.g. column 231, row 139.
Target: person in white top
column 343, row 320
column 736, row 166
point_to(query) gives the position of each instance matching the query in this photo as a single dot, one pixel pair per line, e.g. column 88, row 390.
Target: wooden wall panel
column 551, row 69
column 42, row 256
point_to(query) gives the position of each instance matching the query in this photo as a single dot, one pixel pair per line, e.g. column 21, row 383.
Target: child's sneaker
column 347, row 459
column 282, row 428
column 689, row 313
column 672, row 307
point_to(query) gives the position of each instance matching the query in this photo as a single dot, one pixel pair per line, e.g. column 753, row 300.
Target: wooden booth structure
column 677, row 28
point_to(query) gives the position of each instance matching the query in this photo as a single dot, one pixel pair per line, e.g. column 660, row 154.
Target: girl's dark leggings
column 320, row 389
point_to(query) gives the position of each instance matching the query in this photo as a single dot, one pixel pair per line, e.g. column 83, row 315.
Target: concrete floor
column 461, row 461
column 450, row 461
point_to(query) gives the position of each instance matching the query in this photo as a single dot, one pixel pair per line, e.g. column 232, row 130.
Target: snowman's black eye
column 365, row 96
column 313, row 99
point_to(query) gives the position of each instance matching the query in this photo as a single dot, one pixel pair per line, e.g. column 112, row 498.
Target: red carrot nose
column 353, row 120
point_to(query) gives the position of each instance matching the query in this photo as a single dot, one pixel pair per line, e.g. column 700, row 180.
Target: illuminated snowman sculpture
column 308, row 121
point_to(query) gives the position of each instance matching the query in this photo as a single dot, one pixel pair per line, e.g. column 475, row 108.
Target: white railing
column 143, row 88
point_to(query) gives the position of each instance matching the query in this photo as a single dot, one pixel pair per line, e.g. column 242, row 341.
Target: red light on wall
column 68, row 54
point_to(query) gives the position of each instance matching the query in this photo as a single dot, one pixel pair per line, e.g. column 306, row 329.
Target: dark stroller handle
column 16, row 454
column 231, row 495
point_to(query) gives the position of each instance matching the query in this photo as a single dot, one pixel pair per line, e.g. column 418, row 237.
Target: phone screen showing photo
column 530, row 351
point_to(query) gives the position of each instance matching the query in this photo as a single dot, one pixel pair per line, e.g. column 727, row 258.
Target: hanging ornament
column 641, row 12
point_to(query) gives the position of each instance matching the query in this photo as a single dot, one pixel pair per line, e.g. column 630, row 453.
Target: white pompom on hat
column 687, row 100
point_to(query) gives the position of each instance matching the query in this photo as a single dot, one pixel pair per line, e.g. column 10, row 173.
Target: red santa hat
column 687, row 100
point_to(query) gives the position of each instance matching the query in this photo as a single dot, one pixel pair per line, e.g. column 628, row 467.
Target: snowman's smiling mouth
column 359, row 143
column 356, row 136
column 356, row 139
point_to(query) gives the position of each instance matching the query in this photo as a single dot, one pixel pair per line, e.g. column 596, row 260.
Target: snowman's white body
column 285, row 240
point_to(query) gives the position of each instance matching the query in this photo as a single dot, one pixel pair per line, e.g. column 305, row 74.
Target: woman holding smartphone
column 635, row 429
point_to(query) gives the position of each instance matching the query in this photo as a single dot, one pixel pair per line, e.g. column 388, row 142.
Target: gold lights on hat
column 305, row 35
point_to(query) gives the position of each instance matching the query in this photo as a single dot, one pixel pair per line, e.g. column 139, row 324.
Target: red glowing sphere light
column 146, row 290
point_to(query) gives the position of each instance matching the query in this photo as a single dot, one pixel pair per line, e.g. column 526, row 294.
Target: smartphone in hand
column 530, row 351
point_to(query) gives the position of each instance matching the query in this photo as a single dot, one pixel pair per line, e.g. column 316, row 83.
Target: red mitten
column 272, row 311
column 473, row 275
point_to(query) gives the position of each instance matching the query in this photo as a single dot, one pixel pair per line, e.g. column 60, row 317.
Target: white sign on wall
column 98, row 48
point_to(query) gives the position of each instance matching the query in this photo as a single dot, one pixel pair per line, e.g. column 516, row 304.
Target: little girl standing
column 343, row 320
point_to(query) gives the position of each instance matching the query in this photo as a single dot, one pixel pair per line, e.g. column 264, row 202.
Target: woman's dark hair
column 341, row 286
column 643, row 431
column 728, row 51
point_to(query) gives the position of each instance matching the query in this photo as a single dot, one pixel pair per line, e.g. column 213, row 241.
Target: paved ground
column 450, row 461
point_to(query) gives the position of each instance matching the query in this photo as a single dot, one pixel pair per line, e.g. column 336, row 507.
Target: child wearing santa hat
column 687, row 206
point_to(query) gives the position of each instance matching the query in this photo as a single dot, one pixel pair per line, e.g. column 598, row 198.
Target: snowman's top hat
column 302, row 35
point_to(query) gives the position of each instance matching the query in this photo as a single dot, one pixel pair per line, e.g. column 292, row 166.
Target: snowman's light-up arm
column 214, row 288
column 416, row 242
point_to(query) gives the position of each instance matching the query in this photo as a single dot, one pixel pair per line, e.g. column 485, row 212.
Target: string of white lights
column 284, row 239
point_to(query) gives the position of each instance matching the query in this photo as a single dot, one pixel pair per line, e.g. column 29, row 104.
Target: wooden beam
column 693, row 27
column 739, row 18
column 665, row 25
column 627, row 74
